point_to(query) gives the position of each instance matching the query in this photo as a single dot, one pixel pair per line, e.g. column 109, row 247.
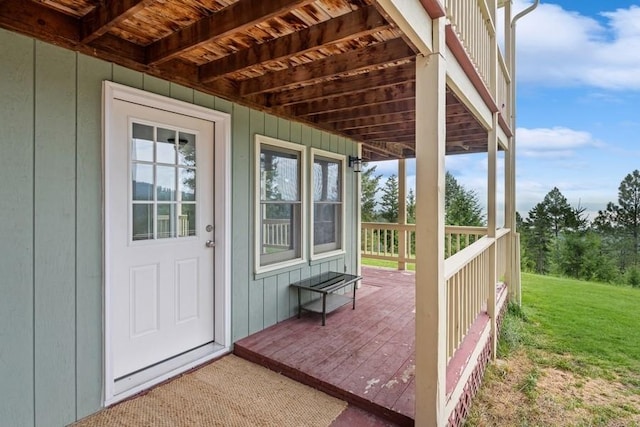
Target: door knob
column 210, row 243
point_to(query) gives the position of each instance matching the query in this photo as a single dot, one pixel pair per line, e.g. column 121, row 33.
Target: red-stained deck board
column 365, row 356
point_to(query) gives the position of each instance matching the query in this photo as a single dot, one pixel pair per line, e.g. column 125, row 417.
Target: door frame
column 222, row 222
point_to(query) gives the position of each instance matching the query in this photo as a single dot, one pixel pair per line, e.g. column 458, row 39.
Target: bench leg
column 299, row 303
column 354, row 295
column 324, row 308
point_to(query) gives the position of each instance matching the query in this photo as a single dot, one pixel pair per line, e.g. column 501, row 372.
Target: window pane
column 280, row 238
column 187, row 149
column 166, row 146
column 166, row 223
column 327, row 180
column 166, row 176
column 142, row 181
column 327, row 224
column 142, row 147
column 279, row 175
column 142, row 221
column 186, row 220
column 187, row 182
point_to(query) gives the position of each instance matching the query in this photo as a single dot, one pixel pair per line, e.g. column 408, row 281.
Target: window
column 279, row 203
column 163, row 181
column 328, row 202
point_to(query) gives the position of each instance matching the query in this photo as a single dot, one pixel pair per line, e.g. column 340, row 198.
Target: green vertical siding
column 51, row 257
column 55, row 234
column 16, row 230
column 91, row 73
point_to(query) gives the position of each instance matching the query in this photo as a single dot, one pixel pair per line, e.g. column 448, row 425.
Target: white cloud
column 556, row 47
column 557, row 142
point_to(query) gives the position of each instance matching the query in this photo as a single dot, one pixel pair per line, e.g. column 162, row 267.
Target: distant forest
column 556, row 237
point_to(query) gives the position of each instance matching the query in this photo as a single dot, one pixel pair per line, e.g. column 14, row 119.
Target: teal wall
column 51, row 226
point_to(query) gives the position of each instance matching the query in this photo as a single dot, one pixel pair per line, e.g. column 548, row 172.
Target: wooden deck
column 364, row 356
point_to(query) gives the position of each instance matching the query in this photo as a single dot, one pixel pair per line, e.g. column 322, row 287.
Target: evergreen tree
column 539, row 231
column 370, row 187
column 389, row 200
column 559, row 211
column 411, row 207
column 461, row 205
column 620, row 224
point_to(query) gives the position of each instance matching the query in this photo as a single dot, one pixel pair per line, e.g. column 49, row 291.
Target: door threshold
column 133, row 384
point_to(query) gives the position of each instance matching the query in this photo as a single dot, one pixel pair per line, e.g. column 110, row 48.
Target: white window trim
column 259, row 140
column 342, row 158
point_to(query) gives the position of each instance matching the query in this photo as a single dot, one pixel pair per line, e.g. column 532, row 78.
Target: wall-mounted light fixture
column 355, row 163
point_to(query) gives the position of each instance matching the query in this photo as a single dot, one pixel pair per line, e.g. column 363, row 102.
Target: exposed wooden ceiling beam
column 347, row 102
column 373, row 121
column 363, row 133
column 378, row 54
column 383, row 128
column 36, row 20
column 358, row 23
column 107, row 15
column 351, row 84
column 402, row 138
column 388, row 136
column 367, row 111
column 232, row 19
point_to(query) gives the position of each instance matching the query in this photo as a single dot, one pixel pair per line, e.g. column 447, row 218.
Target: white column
column 402, row 214
column 492, row 151
column 431, row 356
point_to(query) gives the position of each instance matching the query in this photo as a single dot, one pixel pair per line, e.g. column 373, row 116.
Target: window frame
column 261, row 140
column 315, row 152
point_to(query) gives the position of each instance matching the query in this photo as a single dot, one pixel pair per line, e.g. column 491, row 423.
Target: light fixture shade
column 355, row 163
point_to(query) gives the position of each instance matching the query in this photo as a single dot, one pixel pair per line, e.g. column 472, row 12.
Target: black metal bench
column 326, row 284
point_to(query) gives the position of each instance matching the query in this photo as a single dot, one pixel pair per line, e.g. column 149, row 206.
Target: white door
column 159, row 239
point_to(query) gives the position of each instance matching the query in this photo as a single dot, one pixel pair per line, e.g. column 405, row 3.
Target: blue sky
column 578, row 114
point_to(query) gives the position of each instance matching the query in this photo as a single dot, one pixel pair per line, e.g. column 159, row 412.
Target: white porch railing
column 474, row 25
column 468, row 285
column 380, row 240
column 504, row 89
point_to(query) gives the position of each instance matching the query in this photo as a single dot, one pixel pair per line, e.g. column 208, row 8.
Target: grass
column 597, row 324
column 570, row 356
column 385, row 264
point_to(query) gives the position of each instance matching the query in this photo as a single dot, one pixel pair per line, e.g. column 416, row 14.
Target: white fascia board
column 413, row 20
column 461, row 85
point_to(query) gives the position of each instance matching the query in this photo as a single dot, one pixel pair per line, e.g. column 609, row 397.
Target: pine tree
column 620, row 224
column 461, row 205
column 389, row 200
column 411, row 207
column 370, row 187
column 539, row 232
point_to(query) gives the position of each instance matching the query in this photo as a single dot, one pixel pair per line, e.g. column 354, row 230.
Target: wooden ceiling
column 339, row 65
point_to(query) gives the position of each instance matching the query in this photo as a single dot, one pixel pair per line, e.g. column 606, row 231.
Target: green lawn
column 569, row 357
column 597, row 324
column 385, row 263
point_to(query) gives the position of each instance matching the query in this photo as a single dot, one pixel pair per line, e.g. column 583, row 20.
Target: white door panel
column 161, row 201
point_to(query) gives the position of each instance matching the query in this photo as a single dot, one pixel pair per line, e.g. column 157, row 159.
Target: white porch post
column 492, row 151
column 402, row 214
column 431, row 357
column 491, row 228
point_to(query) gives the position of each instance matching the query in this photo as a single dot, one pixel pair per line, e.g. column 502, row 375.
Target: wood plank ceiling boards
column 338, row 65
